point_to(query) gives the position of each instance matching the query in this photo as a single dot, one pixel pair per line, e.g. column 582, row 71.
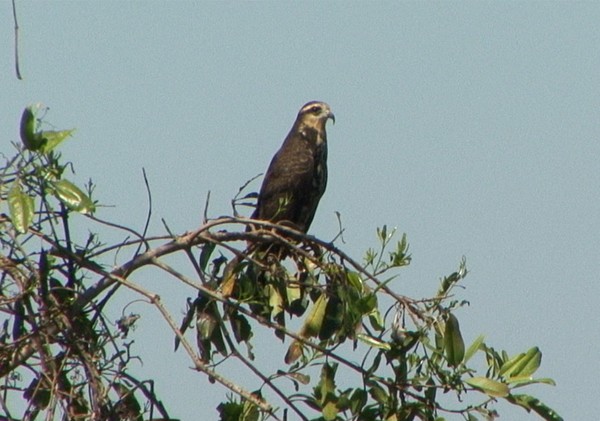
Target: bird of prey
column 297, row 176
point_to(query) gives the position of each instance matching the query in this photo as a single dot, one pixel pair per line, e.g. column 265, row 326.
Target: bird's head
column 315, row 114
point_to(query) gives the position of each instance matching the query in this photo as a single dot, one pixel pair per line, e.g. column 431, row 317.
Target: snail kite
column 297, row 175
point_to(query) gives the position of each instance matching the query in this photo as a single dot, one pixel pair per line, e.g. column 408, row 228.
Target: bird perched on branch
column 297, row 176
column 289, row 196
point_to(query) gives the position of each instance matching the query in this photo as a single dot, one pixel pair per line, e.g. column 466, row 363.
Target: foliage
column 62, row 356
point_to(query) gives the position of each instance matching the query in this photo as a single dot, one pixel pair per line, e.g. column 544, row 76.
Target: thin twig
column 149, row 215
column 205, row 213
column 17, row 67
column 118, row 226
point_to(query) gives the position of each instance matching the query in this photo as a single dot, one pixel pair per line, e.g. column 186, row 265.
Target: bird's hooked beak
column 331, row 116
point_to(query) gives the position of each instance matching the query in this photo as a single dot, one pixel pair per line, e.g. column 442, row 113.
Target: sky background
column 473, row 127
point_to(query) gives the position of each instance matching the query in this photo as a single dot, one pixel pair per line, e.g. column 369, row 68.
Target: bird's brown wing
column 287, row 194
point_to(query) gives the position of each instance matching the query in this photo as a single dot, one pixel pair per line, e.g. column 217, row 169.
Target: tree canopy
column 62, row 357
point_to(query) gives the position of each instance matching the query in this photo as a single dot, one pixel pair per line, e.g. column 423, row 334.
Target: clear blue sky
column 473, row 127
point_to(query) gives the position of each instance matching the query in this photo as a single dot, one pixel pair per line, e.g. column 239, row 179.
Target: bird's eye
column 316, row 109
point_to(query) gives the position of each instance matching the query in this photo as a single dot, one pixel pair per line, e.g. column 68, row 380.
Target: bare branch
column 17, row 67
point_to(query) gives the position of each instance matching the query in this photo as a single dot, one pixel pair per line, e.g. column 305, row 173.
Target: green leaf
column 473, row 348
column 240, row 327
column 533, row 404
column 230, row 411
column 355, row 280
column 294, row 352
column 382, row 233
column 453, row 342
column 431, row 390
column 293, row 292
column 296, row 294
column 218, row 341
column 207, row 250
column 378, row 394
column 374, row 342
column 51, row 139
column 399, row 258
column 366, row 304
column 510, row 365
column 544, row 380
column 358, row 401
column 20, row 206
column 73, row 197
column 205, row 325
column 275, row 300
column 44, row 141
column 343, row 402
column 28, row 135
column 527, row 380
column 296, row 376
column 249, row 412
column 376, row 320
column 449, row 281
column 330, row 411
column 489, row 386
column 314, row 320
column 334, row 317
column 524, row 364
column 326, row 386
